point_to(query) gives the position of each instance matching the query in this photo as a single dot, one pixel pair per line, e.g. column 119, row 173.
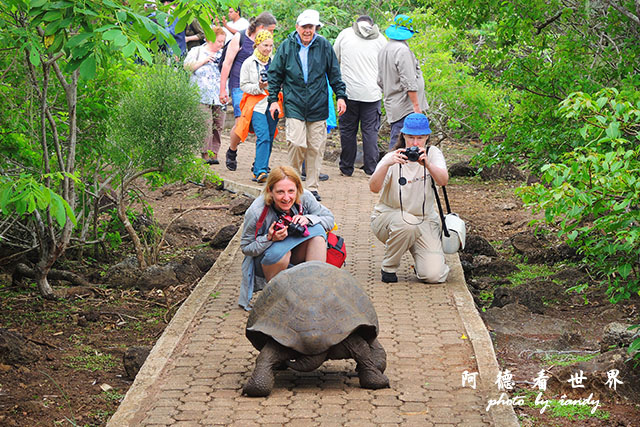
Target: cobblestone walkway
column 432, row 333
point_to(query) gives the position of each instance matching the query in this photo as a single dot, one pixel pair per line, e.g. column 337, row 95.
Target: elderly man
column 357, row 50
column 400, row 77
column 300, row 69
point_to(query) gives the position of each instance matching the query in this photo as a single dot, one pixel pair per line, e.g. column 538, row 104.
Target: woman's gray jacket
column 253, row 246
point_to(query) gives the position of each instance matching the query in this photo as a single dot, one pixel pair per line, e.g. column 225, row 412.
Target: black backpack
column 224, row 49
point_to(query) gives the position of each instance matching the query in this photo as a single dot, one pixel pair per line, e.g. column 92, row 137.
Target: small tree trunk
column 137, row 244
column 43, row 284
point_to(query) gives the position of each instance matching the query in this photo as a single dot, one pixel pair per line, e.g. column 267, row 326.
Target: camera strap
column 445, row 231
column 424, row 194
column 263, row 215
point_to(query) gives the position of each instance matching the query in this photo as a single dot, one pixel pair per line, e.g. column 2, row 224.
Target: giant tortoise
column 308, row 314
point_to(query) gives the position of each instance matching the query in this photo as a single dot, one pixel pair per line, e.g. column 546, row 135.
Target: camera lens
column 412, row 153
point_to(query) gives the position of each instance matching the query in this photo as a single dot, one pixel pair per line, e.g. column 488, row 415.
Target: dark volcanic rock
column 240, row 205
column 596, row 373
column 499, row 267
column 617, row 334
column 157, row 276
column 186, row 271
column 133, row 359
column 125, row 274
column 15, row 349
column 222, row 238
column 204, row 260
column 478, row 245
column 462, row 169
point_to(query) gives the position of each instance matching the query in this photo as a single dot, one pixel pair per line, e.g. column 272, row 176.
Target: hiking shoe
column 262, row 177
column 389, row 277
column 232, row 161
column 321, row 177
column 316, row 195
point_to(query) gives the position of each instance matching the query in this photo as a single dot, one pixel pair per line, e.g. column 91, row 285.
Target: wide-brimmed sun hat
column 309, row 16
column 416, row 124
column 402, row 29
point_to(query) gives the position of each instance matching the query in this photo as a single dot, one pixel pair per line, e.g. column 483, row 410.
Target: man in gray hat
column 400, row 77
column 357, row 50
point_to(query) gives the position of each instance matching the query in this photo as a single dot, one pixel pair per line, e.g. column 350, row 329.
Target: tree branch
column 548, row 22
column 625, row 12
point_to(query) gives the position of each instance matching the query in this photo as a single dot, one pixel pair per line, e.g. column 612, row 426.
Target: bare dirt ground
column 79, row 379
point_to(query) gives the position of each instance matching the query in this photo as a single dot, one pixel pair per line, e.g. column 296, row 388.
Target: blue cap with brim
column 402, row 29
column 416, row 124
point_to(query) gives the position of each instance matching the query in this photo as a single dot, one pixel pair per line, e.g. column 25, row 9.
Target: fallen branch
column 121, row 315
column 22, row 270
column 42, row 343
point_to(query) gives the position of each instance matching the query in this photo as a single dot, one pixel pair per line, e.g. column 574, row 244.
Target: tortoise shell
column 310, row 308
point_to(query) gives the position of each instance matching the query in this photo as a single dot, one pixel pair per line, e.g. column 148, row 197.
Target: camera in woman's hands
column 263, row 76
column 412, row 153
column 297, row 230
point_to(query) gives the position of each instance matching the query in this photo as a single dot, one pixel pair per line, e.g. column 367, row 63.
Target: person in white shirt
column 404, row 218
column 357, row 50
column 236, row 23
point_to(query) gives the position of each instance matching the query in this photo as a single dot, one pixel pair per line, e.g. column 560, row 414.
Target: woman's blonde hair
column 218, row 32
column 276, row 175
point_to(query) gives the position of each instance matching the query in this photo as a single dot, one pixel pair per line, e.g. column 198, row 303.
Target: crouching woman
column 404, row 218
column 268, row 243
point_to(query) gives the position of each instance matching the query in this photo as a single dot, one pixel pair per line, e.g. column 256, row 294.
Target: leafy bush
column 158, row 124
column 592, row 196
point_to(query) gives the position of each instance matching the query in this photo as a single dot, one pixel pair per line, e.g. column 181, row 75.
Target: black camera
column 412, row 153
column 293, row 229
column 263, row 76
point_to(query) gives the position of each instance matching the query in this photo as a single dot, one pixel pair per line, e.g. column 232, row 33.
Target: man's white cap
column 309, row 16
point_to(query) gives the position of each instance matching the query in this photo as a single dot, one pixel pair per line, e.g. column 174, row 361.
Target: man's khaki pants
column 306, row 142
column 423, row 241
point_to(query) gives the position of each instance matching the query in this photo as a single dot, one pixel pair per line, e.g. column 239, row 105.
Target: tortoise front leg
column 261, row 382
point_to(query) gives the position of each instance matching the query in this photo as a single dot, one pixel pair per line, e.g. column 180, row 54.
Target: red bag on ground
column 336, row 250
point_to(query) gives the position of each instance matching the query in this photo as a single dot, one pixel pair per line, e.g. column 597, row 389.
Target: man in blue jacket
column 300, row 69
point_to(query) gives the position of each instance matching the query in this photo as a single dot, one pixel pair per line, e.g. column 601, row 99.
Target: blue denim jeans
column 395, row 132
column 236, row 97
column 264, row 127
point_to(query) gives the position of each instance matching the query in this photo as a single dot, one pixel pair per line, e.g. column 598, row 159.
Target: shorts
column 236, row 97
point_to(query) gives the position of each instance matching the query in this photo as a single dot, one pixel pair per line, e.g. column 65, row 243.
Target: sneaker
column 316, row 195
column 321, row 177
column 231, row 161
column 389, row 277
column 262, row 177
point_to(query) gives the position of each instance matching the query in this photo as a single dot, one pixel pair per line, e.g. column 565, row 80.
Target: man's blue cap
column 402, row 29
column 416, row 124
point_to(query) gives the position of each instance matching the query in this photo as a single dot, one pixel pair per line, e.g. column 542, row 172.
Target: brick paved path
column 431, row 333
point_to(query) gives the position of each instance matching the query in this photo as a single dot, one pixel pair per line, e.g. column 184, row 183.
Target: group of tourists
column 361, row 68
column 287, row 224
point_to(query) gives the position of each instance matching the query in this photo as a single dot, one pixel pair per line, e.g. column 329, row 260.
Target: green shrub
column 592, row 195
column 158, row 123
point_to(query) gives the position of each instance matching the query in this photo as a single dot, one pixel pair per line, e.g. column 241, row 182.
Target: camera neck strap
column 263, row 215
column 424, row 194
column 445, row 231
